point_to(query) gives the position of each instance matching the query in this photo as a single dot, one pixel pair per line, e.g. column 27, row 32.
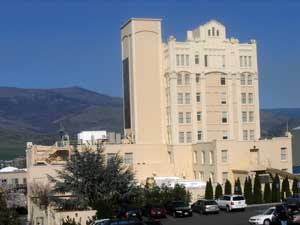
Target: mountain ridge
column 32, row 114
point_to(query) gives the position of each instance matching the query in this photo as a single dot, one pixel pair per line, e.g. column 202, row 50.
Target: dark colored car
column 178, row 209
column 154, row 211
column 129, row 213
column 205, row 206
column 124, row 221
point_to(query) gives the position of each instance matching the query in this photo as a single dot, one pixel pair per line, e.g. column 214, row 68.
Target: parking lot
column 223, row 218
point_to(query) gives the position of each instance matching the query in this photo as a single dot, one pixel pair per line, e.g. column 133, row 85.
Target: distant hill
column 36, row 114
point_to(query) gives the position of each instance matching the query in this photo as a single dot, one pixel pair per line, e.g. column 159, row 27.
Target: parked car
column 132, row 221
column 100, row 222
column 129, row 212
column 154, row 211
column 178, row 209
column 232, row 202
column 263, row 219
column 205, row 206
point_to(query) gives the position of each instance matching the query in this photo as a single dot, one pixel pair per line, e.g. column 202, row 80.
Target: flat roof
column 141, row 19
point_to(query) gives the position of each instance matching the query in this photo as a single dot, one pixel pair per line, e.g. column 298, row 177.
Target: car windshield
column 238, row 198
column 179, row 204
column 269, row 211
column 210, row 203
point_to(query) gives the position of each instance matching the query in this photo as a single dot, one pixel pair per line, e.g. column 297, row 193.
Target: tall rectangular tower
column 142, row 81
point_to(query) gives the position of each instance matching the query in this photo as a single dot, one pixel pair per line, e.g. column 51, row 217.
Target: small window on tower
column 223, row 81
column 208, row 32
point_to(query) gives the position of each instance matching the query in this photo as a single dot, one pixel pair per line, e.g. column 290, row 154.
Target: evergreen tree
column 257, row 193
column 267, row 193
column 246, row 190
column 249, row 199
column 295, row 187
column 228, row 189
column 237, row 187
column 209, row 190
column 285, row 190
column 218, row 191
column 276, row 189
column 93, row 182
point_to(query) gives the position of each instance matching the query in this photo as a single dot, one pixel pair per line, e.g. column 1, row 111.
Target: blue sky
column 60, row 43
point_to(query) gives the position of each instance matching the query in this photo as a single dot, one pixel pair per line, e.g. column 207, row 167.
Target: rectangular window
column 224, row 117
column 182, row 60
column 250, row 61
column 128, row 159
column 251, row 135
column 225, row 135
column 206, row 60
column 245, row 61
column 195, row 157
column 180, row 117
column 177, row 60
column 197, row 59
column 181, row 137
column 202, row 157
column 283, row 154
column 198, row 97
column 250, row 98
column 199, row 116
column 187, row 60
column 249, row 79
column 224, row 177
column 179, row 79
column 241, row 61
column 187, row 98
column 199, row 135
column 188, row 137
column 211, row 158
column 188, row 117
column 224, row 156
column 245, row 135
column 251, row 116
column 244, row 98
column 244, row 117
column 223, row 98
column 223, row 81
column 197, row 78
column 201, row 175
column 187, row 79
column 243, row 79
column 180, row 98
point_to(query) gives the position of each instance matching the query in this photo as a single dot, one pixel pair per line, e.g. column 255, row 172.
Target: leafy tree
column 228, row 189
column 295, row 187
column 7, row 216
column 209, row 190
column 92, row 182
column 267, row 193
column 218, row 191
column 276, row 189
column 285, row 190
column 237, row 187
column 257, row 193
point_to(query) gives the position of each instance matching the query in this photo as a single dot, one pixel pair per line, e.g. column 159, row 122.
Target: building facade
column 199, row 98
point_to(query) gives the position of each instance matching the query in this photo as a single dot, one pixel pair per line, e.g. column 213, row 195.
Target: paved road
column 223, row 218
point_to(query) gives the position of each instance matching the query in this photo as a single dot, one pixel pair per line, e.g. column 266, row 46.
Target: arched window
column 249, row 80
column 208, row 32
column 213, row 31
column 187, row 79
column 218, row 33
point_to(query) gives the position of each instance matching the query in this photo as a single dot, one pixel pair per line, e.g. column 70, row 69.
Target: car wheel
column 227, row 209
column 267, row 222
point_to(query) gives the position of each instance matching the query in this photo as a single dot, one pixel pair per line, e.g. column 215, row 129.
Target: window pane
column 250, row 98
column 187, row 60
column 206, row 60
column 180, row 117
column 244, row 117
column 245, row 135
column 187, row 98
column 189, row 137
column 181, row 137
column 179, row 79
column 197, row 78
column 243, row 79
column 199, row 116
column 182, row 60
column 187, row 79
column 196, row 59
column 180, row 98
column 198, row 97
column 128, row 159
column 244, row 99
column 188, row 117
column 199, row 135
